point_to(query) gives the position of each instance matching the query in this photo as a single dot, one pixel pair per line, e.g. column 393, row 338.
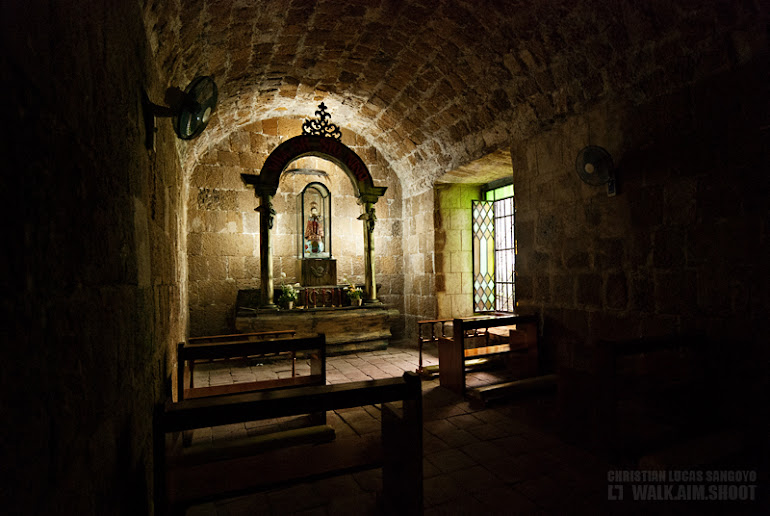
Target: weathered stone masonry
column 681, row 247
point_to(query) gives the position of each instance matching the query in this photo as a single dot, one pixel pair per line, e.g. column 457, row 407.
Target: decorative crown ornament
column 321, row 126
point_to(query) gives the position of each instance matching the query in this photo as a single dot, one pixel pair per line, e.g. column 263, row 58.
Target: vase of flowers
column 288, row 295
column 354, row 294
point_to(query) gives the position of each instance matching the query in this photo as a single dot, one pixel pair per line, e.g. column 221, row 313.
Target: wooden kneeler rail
column 398, row 450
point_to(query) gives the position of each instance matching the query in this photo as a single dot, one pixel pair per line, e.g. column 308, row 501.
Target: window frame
column 507, row 301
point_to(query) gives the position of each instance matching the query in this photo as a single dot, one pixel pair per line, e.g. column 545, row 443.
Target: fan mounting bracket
column 191, row 110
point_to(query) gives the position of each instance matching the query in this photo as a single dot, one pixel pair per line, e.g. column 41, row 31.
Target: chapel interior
column 128, row 238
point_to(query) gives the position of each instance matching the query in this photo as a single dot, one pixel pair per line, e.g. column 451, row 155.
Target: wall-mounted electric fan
column 594, row 166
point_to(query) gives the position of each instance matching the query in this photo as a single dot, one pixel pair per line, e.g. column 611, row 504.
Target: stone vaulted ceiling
column 435, row 84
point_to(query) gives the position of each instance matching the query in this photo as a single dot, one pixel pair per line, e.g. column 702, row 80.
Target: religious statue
column 314, row 231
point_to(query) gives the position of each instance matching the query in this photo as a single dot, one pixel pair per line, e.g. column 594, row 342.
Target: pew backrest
column 398, row 450
column 314, row 346
column 235, row 337
column 253, row 406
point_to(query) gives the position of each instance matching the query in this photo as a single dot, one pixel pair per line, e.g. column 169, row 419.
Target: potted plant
column 288, row 295
column 354, row 294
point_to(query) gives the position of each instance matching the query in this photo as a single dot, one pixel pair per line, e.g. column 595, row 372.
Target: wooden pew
column 186, row 479
column 245, row 345
column 517, row 344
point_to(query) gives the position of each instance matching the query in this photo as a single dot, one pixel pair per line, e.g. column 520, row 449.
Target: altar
column 308, row 299
column 348, row 328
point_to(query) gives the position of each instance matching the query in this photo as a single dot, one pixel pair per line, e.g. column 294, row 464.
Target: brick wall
column 223, row 228
column 682, row 247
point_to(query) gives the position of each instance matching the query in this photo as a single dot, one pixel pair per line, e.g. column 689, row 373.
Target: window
column 494, row 250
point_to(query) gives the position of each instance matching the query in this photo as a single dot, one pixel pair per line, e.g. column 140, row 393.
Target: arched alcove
column 324, row 144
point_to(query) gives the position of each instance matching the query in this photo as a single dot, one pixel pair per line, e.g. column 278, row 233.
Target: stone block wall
column 683, row 247
column 454, row 249
column 419, row 261
column 92, row 262
column 223, row 228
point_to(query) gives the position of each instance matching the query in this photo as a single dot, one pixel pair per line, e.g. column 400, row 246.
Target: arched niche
column 266, row 185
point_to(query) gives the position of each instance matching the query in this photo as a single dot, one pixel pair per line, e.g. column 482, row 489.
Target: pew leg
column 451, row 365
column 402, row 475
column 419, row 352
column 169, row 444
column 317, row 367
column 530, row 337
column 192, row 374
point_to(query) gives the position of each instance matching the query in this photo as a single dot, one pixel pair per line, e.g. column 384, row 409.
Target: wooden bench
column 248, row 345
column 512, row 337
column 187, row 478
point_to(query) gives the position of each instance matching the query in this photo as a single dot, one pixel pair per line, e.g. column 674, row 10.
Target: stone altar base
column 347, row 329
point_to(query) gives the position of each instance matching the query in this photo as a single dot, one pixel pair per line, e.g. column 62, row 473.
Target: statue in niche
column 314, row 234
column 315, row 222
column 314, row 231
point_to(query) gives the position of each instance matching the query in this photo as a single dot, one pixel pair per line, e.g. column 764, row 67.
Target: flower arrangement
column 354, row 292
column 289, row 293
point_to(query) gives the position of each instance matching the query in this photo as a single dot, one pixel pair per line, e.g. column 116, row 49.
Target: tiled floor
column 504, row 459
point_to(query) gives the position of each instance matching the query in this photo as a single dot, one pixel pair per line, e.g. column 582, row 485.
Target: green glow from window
column 499, row 193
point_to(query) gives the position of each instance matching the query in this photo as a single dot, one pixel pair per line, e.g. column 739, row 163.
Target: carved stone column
column 369, row 219
column 266, row 216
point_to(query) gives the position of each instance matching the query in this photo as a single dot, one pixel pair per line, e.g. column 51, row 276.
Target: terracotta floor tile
column 488, row 432
column 542, row 490
column 462, row 506
column 432, row 444
column 465, row 421
column 429, row 469
column 369, row 480
column 457, row 438
column 446, row 411
column 438, row 426
column 295, row 498
column 505, row 500
column 440, row 489
column 344, row 485
column 450, row 460
column 509, row 469
column 484, row 451
column 514, row 444
column 353, row 505
column 476, row 478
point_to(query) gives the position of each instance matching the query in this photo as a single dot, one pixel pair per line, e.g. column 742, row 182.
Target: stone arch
column 266, row 185
column 323, row 147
